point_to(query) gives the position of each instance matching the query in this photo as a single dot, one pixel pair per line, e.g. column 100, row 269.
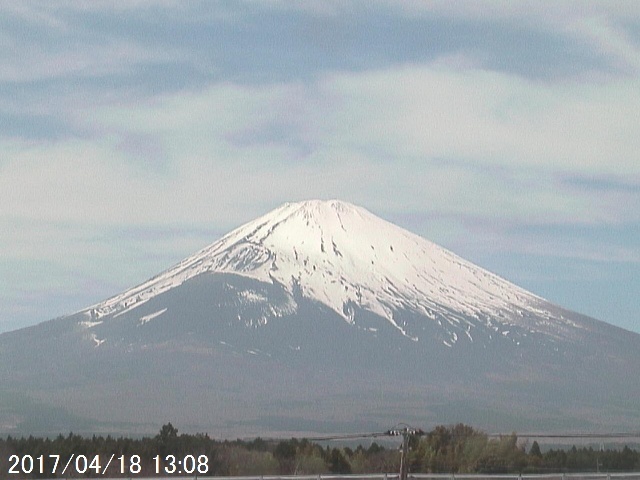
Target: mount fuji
column 320, row 317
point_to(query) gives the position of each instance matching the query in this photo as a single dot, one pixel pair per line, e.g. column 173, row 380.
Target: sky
column 132, row 134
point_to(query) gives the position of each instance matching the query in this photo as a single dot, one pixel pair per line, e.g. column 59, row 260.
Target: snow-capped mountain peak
column 343, row 256
column 316, row 308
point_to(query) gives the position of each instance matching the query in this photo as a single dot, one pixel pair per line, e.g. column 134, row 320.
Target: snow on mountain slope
column 343, row 256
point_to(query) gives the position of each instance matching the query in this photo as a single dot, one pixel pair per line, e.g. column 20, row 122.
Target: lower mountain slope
column 249, row 364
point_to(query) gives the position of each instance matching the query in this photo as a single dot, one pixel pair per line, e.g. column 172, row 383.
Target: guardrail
column 419, row 476
column 529, row 476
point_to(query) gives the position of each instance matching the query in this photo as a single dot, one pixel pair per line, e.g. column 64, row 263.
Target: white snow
column 340, row 254
column 252, row 297
column 151, row 316
column 89, row 324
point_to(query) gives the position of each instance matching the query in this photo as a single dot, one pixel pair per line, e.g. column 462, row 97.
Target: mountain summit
column 319, row 317
column 346, row 258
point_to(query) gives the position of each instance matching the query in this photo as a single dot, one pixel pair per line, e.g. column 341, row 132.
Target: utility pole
column 407, row 432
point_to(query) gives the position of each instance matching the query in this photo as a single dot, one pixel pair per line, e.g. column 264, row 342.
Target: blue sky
column 134, row 133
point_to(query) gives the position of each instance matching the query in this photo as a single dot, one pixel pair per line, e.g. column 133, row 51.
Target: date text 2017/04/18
column 124, row 464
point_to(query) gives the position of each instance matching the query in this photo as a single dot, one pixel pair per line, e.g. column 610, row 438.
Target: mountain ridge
column 417, row 274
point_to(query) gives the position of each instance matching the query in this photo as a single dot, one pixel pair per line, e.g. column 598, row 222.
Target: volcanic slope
column 320, row 316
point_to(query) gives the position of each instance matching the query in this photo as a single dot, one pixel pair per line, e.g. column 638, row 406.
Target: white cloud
column 423, row 137
column 493, row 118
column 609, row 39
column 411, row 112
column 551, row 13
column 75, row 180
column 87, row 59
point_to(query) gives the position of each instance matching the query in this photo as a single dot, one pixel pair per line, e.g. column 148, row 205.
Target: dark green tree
column 534, row 451
column 338, row 463
column 167, row 440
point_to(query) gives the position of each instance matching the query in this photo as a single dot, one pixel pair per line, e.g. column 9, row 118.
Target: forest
column 445, row 449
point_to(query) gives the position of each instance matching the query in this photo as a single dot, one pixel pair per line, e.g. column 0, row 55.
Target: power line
column 569, row 435
column 351, row 436
column 416, row 431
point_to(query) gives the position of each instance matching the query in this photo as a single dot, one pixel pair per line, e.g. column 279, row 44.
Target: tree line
column 445, row 449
